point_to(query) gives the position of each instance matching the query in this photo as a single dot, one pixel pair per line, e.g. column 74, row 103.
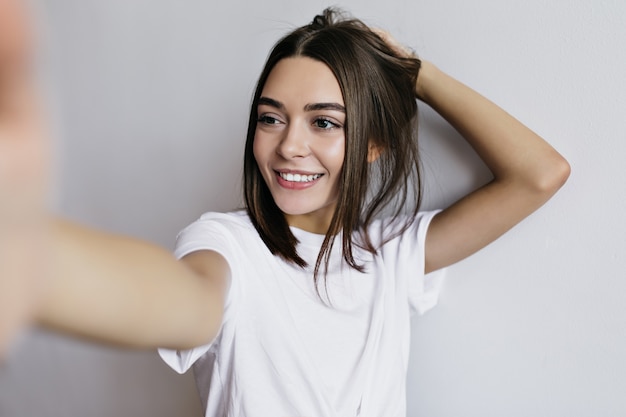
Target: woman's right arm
column 131, row 293
column 110, row 288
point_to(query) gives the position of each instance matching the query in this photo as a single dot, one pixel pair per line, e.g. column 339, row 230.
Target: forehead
column 302, row 80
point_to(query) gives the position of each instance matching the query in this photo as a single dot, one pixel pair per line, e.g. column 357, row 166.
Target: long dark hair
column 378, row 88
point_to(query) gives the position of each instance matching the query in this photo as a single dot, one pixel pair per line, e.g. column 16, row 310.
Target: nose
column 294, row 142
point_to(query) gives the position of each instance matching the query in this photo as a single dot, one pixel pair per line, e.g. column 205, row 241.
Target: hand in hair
column 527, row 170
column 401, row 50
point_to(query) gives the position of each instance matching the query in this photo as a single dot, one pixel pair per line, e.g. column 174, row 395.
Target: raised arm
column 124, row 291
column 527, row 170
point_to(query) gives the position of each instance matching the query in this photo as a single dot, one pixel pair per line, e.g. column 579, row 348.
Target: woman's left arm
column 527, row 170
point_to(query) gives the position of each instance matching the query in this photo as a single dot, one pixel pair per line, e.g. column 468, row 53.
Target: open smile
column 291, row 177
column 295, row 180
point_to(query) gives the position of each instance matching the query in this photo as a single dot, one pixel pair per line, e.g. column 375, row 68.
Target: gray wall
column 151, row 100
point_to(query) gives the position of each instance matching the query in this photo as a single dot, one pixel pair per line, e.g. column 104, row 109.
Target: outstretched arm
column 124, row 291
column 527, row 170
column 110, row 288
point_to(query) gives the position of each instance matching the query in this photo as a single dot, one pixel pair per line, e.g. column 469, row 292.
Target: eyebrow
column 309, row 107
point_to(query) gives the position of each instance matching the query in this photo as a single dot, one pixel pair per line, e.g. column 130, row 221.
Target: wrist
column 424, row 78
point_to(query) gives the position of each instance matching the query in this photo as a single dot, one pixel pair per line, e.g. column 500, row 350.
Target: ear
column 373, row 151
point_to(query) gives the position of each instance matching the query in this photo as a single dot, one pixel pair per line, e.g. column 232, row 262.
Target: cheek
column 258, row 149
column 334, row 154
column 261, row 152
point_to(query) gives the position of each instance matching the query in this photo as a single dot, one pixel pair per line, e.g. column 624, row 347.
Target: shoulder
column 238, row 218
column 215, row 222
column 215, row 231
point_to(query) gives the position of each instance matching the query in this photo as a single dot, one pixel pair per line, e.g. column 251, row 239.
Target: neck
column 313, row 223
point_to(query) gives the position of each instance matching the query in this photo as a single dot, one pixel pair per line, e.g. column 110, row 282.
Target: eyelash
column 332, row 124
column 271, row 121
column 267, row 120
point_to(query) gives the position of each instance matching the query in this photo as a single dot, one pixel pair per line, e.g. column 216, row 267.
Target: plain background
column 150, row 99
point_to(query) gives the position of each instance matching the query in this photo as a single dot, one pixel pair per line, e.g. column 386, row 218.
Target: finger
column 15, row 43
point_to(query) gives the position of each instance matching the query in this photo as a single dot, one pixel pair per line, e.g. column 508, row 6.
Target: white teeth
column 299, row 177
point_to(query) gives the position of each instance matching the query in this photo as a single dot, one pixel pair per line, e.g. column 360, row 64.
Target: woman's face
column 299, row 141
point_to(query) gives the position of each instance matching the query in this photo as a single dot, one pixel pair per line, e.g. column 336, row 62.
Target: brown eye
column 268, row 120
column 325, row 124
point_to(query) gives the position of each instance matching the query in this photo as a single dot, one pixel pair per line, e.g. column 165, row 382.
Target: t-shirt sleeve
column 207, row 233
column 409, row 252
column 424, row 293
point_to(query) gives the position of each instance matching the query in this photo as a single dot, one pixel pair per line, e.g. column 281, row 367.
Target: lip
column 293, row 185
column 295, row 171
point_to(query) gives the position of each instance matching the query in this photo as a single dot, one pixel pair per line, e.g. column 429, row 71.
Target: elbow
column 553, row 176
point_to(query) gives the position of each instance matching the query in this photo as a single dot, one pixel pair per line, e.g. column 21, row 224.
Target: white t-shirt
column 282, row 351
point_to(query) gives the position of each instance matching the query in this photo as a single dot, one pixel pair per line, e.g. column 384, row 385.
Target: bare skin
column 301, row 132
column 23, row 173
column 132, row 293
column 527, row 170
column 111, row 288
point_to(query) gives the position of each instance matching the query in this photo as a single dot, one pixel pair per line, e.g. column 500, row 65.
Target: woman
column 300, row 304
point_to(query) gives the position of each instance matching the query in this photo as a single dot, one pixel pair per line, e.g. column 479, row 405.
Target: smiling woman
column 301, row 303
column 378, row 112
column 299, row 142
column 333, row 110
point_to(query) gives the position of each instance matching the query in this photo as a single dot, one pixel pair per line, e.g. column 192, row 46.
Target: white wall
column 152, row 99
